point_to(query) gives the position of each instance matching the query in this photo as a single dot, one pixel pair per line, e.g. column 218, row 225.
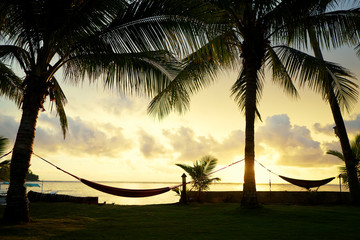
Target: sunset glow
column 112, row 138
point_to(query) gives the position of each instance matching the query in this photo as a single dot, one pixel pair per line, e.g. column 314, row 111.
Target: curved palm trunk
column 349, row 157
column 17, row 209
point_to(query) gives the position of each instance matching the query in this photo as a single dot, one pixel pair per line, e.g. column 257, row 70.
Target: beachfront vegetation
column 194, row 221
column 259, row 35
column 5, row 165
column 355, row 147
column 123, row 43
column 5, row 172
column 199, row 172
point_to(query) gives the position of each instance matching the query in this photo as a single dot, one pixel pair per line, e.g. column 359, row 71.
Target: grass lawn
column 194, row 221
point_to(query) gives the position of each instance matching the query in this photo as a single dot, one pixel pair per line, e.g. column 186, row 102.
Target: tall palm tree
column 124, row 43
column 251, row 36
column 355, row 147
column 317, row 25
column 199, row 173
column 244, row 42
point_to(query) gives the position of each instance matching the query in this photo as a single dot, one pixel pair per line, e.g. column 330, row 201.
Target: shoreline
column 264, row 197
column 277, row 197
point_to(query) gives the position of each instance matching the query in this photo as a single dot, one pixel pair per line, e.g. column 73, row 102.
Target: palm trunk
column 249, row 198
column 348, row 154
column 17, row 209
column 349, row 157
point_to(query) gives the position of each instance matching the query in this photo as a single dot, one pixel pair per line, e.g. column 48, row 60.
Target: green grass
column 195, row 221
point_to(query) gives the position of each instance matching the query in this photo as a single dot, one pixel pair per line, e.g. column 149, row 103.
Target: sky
column 112, row 138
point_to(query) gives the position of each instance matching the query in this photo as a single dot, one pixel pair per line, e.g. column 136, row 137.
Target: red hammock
column 307, row 183
column 125, row 192
column 122, row 191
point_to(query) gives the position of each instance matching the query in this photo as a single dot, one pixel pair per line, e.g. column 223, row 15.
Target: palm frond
column 11, row 53
column 60, row 102
column 279, row 73
column 208, row 163
column 170, row 24
column 187, row 168
column 355, row 147
column 3, row 143
column 320, row 75
column 344, row 175
column 336, row 154
column 337, row 28
column 131, row 73
column 238, row 91
column 10, row 84
column 333, row 28
column 199, row 71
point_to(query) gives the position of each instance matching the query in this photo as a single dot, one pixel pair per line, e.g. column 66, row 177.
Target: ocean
column 75, row 188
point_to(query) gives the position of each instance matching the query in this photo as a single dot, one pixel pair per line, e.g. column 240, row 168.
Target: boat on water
column 4, row 188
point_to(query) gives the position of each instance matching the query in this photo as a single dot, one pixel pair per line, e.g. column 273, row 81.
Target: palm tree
column 199, row 172
column 243, row 42
column 122, row 42
column 355, row 147
column 334, row 84
column 254, row 37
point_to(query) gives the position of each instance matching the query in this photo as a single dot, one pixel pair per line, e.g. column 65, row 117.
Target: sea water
column 75, row 188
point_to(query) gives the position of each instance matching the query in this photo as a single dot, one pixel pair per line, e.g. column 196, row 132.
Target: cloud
column 121, row 105
column 294, row 144
column 83, row 138
column 9, row 127
column 190, row 146
column 277, row 138
column 352, row 127
column 150, row 146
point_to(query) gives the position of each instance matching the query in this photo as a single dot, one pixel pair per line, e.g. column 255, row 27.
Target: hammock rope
column 301, row 182
column 5, row 154
column 57, row 167
column 151, row 192
column 122, row 192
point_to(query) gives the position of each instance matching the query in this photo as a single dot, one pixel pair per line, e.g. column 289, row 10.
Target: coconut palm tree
column 355, row 147
column 251, row 38
column 243, row 43
column 199, row 173
column 123, row 43
column 335, row 83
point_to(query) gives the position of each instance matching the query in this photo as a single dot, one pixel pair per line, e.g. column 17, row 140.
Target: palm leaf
column 3, row 143
column 147, row 23
column 11, row 53
column 60, row 101
column 238, row 91
column 355, row 146
column 199, row 71
column 320, row 75
column 131, row 73
column 336, row 154
column 333, row 28
column 279, row 72
column 10, row 84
